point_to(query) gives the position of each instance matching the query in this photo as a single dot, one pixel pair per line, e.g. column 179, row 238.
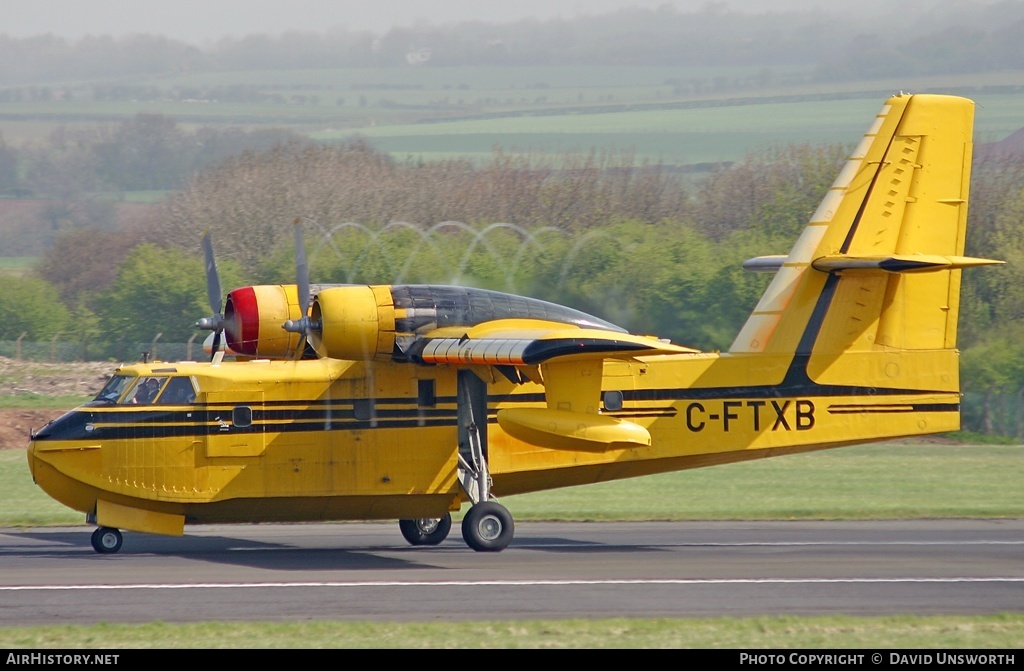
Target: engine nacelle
column 354, row 322
column 386, row 323
column 253, row 318
column 371, row 323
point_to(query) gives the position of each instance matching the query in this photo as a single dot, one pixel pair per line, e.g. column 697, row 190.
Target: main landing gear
column 426, row 530
column 106, row 540
column 487, row 525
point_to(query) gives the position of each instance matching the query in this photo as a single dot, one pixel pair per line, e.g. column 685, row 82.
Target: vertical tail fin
column 878, row 267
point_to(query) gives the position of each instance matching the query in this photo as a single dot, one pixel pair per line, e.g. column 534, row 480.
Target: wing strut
column 472, row 416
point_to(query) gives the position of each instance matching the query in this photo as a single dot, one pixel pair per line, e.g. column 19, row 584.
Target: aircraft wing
column 525, row 342
column 567, row 359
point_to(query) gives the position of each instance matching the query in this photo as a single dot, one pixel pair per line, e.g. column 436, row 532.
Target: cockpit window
column 145, row 390
column 114, row 387
column 178, row 391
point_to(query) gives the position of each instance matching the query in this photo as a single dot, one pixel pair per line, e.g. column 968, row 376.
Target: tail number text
column 768, row 415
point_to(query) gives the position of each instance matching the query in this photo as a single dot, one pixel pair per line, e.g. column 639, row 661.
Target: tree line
column 649, row 249
column 570, row 228
column 945, row 38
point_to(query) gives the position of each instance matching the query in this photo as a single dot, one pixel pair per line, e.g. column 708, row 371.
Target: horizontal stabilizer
column 898, row 263
column 893, row 263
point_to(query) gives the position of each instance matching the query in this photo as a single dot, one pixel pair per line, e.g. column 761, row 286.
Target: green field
column 444, row 112
column 37, row 401
column 998, row 632
column 680, row 136
column 16, row 265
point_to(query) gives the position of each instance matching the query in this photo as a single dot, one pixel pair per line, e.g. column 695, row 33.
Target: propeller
column 304, row 325
column 216, row 323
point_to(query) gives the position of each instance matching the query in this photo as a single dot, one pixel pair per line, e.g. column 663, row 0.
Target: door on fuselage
column 235, row 425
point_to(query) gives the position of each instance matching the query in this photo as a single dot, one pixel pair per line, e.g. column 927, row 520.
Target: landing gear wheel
column 106, row 540
column 488, row 527
column 426, row 530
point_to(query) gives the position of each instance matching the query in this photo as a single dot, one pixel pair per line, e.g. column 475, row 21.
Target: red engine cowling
column 254, row 316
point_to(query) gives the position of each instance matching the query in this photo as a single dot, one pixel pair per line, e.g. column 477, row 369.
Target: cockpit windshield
column 148, row 389
column 114, row 387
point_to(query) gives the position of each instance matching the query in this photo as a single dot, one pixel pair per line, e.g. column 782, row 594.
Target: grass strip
column 758, row 633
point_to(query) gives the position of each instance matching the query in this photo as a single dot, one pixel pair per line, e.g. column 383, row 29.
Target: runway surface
column 551, row 570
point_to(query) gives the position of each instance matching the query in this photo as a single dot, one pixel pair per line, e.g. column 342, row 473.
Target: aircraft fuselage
column 329, row 439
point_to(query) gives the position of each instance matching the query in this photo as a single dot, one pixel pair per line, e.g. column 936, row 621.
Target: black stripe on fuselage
column 88, row 424
column 896, row 408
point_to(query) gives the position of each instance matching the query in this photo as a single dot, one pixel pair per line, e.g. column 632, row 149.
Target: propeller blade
column 301, row 268
column 213, row 291
column 216, row 344
column 303, row 324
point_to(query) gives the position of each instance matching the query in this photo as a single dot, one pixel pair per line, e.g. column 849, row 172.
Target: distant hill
column 1009, row 147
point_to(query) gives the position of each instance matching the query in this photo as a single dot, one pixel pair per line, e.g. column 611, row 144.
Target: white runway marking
column 584, row 545
column 515, row 583
column 741, row 544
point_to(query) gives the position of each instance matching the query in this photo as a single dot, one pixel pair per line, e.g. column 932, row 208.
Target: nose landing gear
column 106, row 540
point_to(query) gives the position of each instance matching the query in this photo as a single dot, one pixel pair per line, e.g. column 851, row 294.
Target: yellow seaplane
column 408, row 402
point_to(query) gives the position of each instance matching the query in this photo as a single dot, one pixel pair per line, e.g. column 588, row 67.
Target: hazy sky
column 201, row 21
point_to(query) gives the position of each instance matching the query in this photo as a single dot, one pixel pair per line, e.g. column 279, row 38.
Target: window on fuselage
column 179, row 391
column 241, row 416
column 145, row 390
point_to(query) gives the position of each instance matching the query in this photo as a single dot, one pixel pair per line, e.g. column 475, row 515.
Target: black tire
column 106, row 540
column 488, row 527
column 426, row 530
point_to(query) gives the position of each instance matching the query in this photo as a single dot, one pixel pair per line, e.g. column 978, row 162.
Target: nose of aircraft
column 58, row 465
column 32, row 459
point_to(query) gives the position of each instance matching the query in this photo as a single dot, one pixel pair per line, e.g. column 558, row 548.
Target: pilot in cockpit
column 147, row 391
